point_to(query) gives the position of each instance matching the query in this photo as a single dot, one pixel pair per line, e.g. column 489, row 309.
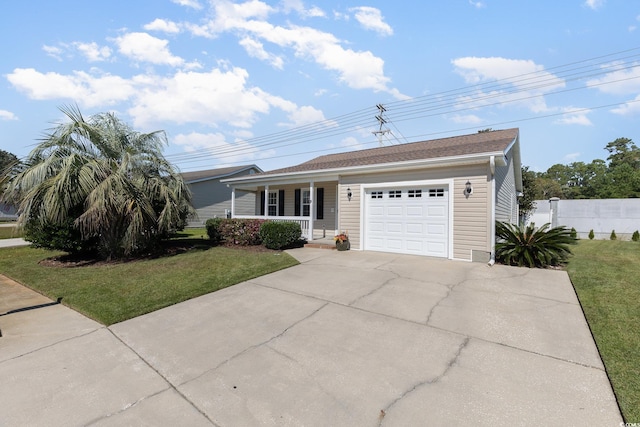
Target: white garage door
column 408, row 220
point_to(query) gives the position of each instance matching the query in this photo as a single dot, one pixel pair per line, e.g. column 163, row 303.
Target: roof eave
column 237, row 171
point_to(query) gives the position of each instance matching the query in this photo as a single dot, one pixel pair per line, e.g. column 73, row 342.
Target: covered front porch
column 313, row 205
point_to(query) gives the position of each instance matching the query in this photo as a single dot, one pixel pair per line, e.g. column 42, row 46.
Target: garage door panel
column 412, row 220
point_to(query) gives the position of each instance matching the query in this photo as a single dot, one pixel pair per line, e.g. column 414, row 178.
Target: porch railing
column 303, row 221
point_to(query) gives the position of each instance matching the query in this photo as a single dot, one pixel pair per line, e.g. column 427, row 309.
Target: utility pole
column 380, row 118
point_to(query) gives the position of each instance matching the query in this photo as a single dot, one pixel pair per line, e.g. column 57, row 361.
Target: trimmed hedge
column 235, row 231
column 278, row 235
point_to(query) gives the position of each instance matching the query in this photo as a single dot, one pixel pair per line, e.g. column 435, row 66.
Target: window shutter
column 297, row 202
column 262, row 203
column 280, row 202
column 320, row 203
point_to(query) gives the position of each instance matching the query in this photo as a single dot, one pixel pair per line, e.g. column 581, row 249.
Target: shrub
column 531, row 247
column 591, row 234
column 613, row 235
column 574, row 233
column 636, row 236
column 278, row 235
column 213, row 229
column 243, row 232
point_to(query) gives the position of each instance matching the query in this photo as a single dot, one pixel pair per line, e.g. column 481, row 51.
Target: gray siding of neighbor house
column 506, row 195
column 211, row 198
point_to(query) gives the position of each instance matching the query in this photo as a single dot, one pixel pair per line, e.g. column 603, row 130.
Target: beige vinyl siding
column 506, row 197
column 471, row 216
column 349, row 213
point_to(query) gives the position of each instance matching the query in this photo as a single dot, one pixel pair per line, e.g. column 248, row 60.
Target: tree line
column 616, row 178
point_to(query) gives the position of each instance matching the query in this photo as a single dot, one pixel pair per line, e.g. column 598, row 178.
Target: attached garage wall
column 471, row 216
column 506, row 198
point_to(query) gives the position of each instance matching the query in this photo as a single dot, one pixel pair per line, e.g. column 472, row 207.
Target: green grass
column 606, row 276
column 116, row 292
column 9, row 233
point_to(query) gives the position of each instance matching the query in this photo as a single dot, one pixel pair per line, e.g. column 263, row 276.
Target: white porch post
column 266, row 200
column 312, row 210
column 233, row 202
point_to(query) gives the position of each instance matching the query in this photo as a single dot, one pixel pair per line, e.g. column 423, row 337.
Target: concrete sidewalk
column 343, row 339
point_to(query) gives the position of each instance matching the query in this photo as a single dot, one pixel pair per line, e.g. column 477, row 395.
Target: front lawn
column 606, row 276
column 111, row 293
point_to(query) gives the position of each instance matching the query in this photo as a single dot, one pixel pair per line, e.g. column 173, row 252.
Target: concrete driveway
column 343, row 339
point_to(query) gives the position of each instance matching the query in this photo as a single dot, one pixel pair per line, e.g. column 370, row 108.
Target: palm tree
column 108, row 182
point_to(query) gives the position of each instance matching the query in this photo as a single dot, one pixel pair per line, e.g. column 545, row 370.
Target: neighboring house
column 212, row 199
column 437, row 198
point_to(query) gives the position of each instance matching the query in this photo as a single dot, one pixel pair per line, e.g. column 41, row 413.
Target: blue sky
column 276, row 83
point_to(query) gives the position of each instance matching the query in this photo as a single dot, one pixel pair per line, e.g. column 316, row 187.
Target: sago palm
column 111, row 181
column 532, row 247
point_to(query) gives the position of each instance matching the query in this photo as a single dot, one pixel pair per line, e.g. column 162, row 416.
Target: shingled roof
column 477, row 143
column 215, row 173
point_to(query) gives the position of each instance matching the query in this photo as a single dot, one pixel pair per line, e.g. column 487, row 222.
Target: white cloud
column 7, row 115
column 477, row 4
column 53, row 51
column 93, row 52
column 522, row 82
column 371, row 19
column 471, row 119
column 575, row 116
column 622, row 80
column 594, row 4
column 571, row 157
column 80, row 87
column 352, row 143
column 142, row 47
column 163, row 25
column 256, row 49
column 628, row 108
column 194, row 4
column 298, row 6
column 220, row 149
column 356, row 69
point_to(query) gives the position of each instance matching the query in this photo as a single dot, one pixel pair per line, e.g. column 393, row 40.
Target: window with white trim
column 395, row 194
column 376, row 194
column 414, row 194
column 305, row 201
column 272, row 203
column 436, row 192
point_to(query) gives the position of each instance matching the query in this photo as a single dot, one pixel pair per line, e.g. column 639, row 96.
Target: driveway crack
column 284, row 331
column 435, row 380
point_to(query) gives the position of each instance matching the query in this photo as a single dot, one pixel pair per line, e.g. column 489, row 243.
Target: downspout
column 492, row 169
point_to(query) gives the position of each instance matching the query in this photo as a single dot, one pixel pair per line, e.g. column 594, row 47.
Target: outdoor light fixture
column 349, row 194
column 468, row 189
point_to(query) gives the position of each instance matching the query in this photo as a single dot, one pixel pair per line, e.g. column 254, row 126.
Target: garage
column 408, row 220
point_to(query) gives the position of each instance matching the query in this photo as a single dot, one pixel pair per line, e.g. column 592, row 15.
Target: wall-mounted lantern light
column 349, row 194
column 468, row 189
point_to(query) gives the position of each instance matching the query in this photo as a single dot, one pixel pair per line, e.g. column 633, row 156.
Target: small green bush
column 613, row 235
column 574, row 233
column 591, row 235
column 636, row 236
column 278, row 235
column 213, row 229
column 532, row 247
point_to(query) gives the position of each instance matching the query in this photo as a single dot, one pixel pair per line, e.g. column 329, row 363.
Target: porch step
column 319, row 245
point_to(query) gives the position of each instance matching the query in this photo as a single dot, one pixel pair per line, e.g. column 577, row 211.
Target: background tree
column 8, row 161
column 526, row 202
column 96, row 184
